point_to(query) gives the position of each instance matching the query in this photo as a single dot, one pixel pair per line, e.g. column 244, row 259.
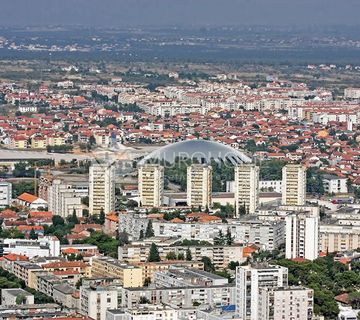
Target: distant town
column 198, row 190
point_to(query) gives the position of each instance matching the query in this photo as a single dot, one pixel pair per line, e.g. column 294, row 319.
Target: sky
column 120, row 13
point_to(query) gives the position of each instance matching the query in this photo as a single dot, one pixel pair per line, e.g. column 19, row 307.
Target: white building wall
column 5, row 194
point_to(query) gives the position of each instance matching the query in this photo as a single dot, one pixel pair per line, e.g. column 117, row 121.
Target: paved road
column 13, row 155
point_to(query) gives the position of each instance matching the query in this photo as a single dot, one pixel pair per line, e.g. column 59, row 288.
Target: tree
column 220, row 239
column 171, row 256
column 131, row 204
column 354, row 298
column 233, row 264
column 188, row 256
column 147, row 282
column 181, row 256
column 271, row 169
column 58, row 220
column 102, row 217
column 92, row 140
column 20, row 299
column 123, row 238
column 208, row 265
column 105, row 243
column 154, row 253
column 33, row 235
column 85, row 201
column 144, row 300
column 314, row 183
column 242, row 210
column 73, row 219
column 229, row 237
column 149, row 230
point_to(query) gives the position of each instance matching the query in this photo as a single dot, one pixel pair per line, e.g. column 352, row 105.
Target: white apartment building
column 144, row 312
column 9, row 297
column 302, row 236
column 43, row 247
column 220, row 256
column 199, row 185
column 337, row 238
column 249, row 281
column 95, row 300
column 352, row 93
column 185, row 277
column 268, row 235
column 5, row 194
column 294, row 185
column 65, row 197
column 286, row 303
column 334, row 184
column 183, row 297
column 101, row 188
column 151, row 185
column 246, row 187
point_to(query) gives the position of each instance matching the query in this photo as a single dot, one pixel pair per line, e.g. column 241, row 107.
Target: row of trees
column 327, row 278
column 155, row 257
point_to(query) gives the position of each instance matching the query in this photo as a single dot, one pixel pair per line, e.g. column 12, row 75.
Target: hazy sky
column 178, row 12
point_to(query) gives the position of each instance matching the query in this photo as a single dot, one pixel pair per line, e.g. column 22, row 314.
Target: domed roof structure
column 201, row 150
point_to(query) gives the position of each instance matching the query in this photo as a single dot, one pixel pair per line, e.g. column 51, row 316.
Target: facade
column 221, row 256
column 25, row 270
column 246, row 187
column 334, row 184
column 183, row 297
column 5, row 194
column 129, row 276
column 184, row 277
column 101, row 188
column 151, row 185
column 337, row 238
column 145, row 312
column 302, row 236
column 286, row 303
column 95, row 300
column 249, row 280
column 150, row 268
column 10, row 297
column 294, row 185
column 352, row 93
column 199, row 185
column 271, row 185
column 268, row 235
column 43, row 247
column 64, row 198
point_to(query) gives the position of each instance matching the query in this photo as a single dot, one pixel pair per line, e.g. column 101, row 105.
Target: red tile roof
column 27, row 197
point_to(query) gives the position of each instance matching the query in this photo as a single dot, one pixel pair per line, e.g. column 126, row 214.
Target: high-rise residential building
column 5, row 194
column 199, row 185
column 286, row 303
column 64, row 196
column 101, row 188
column 246, row 188
column 151, row 185
column 302, row 236
column 249, row 280
column 294, row 185
column 95, row 300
